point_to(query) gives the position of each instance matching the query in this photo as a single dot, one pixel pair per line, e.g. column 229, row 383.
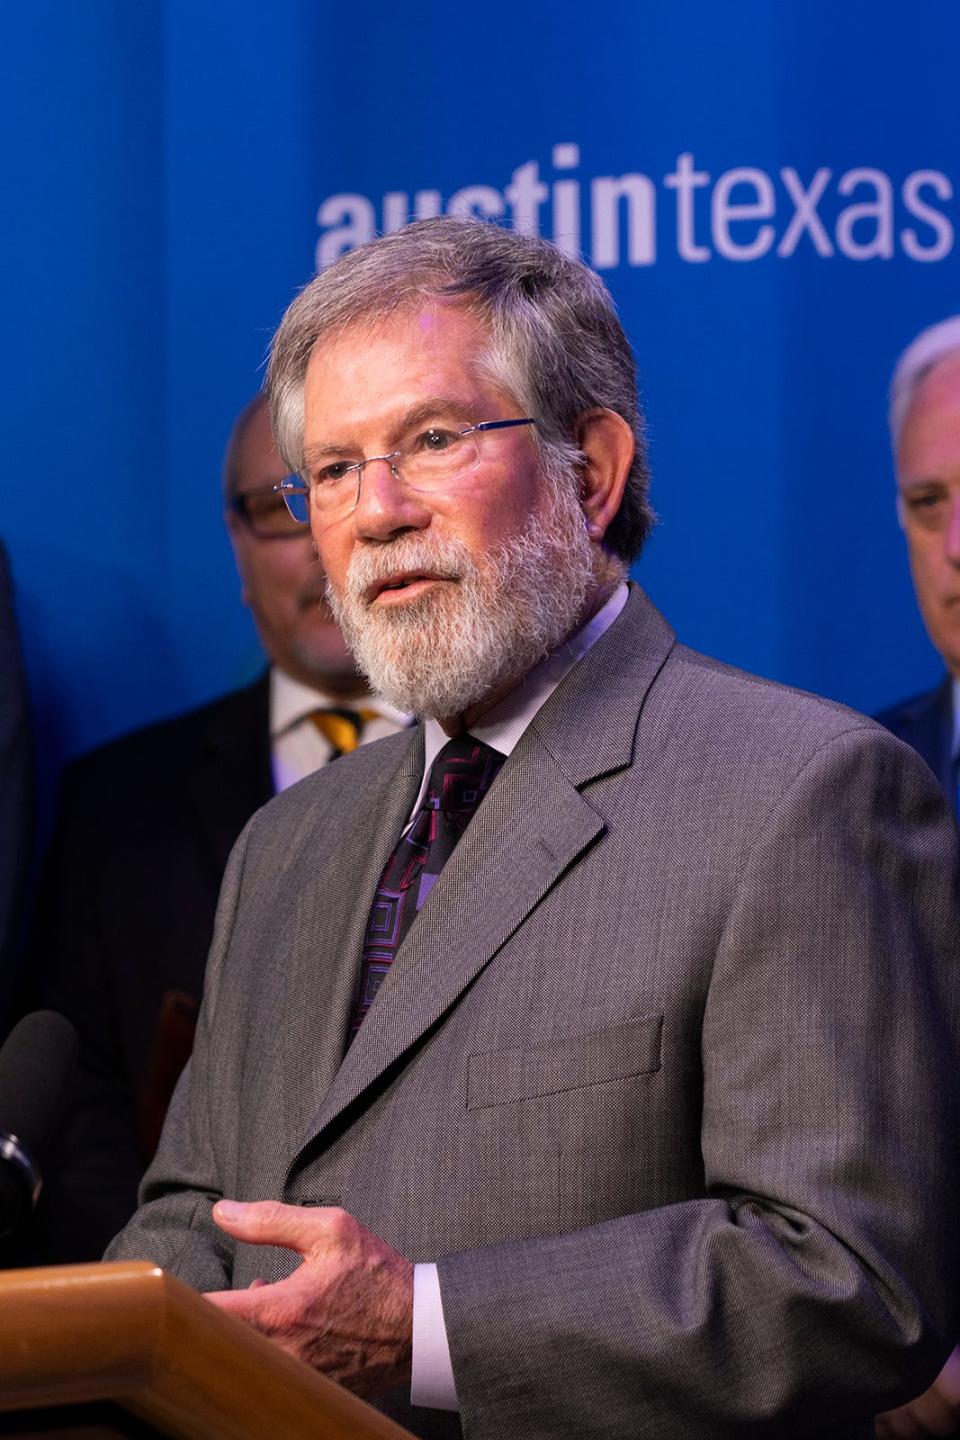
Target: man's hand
column 935, row 1412
column 347, row 1310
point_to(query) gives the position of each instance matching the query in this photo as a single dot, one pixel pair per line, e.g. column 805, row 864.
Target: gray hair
column 556, row 344
column 921, row 355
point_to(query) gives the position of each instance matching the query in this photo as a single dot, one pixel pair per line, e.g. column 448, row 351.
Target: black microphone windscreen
column 36, row 1061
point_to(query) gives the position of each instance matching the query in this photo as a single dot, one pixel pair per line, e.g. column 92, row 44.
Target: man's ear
column 608, row 446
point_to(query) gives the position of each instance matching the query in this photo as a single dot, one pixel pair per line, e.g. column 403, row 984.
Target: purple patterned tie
column 459, row 778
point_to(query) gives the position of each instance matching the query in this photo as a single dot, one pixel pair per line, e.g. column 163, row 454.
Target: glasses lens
column 296, row 501
column 439, row 456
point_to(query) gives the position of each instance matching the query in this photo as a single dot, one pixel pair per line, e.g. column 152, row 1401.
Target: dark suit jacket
column 661, row 1075
column 16, row 792
column 926, row 722
column 124, row 923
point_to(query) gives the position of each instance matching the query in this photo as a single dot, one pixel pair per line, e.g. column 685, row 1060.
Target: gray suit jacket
column 660, row 1075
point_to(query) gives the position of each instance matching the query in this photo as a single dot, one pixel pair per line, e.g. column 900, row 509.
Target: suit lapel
column 332, row 887
column 532, row 825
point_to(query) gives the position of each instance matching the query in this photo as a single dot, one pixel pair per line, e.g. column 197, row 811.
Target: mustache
column 448, row 559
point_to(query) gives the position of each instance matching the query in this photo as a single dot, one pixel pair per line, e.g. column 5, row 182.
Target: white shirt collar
column 291, row 701
column 502, row 725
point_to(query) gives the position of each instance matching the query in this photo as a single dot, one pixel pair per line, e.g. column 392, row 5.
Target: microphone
column 36, row 1062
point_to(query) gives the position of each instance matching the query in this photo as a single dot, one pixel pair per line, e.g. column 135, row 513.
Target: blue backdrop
column 770, row 192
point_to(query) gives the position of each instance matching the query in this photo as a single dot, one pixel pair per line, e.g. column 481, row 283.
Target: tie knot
column 461, row 775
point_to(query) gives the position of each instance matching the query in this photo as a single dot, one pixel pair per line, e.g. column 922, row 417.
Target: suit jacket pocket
column 500, row 1077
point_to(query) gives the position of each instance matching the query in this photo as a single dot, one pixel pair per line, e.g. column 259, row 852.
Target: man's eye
column 262, row 507
column 330, row 474
column 435, row 441
column 923, row 502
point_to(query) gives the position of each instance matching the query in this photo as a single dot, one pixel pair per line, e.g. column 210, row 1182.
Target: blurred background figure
column 925, row 431
column 145, row 826
column 16, row 815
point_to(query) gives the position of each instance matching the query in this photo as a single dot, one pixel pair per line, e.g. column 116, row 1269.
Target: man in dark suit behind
column 145, row 826
column 577, row 1063
column 925, row 430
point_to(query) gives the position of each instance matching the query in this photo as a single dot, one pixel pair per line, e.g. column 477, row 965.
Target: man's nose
column 385, row 503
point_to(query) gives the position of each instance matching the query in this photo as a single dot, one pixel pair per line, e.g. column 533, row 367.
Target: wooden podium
column 96, row 1352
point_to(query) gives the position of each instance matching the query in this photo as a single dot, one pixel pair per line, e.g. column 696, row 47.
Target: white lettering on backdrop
column 742, row 214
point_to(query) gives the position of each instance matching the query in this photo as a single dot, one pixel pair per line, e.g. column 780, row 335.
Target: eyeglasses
column 429, row 461
column 264, row 513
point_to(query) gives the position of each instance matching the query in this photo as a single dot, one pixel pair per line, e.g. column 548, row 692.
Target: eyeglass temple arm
column 499, row 424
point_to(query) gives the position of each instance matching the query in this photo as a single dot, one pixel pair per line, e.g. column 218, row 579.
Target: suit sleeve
column 173, row 1227
column 813, row 1282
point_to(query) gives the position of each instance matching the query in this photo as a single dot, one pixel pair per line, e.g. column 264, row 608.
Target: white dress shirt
column 297, row 747
column 500, row 727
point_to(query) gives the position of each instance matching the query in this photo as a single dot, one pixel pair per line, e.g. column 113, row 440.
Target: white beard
column 459, row 643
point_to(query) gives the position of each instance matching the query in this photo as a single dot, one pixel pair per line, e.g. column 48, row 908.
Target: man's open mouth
column 402, row 581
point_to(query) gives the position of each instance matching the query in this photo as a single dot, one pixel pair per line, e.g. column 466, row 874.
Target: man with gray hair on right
column 925, row 434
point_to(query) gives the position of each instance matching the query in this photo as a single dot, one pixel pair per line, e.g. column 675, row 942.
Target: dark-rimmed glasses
column 263, row 512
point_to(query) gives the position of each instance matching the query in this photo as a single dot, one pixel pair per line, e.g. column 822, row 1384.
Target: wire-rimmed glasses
column 430, row 460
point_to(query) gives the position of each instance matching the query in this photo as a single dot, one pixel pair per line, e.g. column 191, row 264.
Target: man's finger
column 261, row 1304
column 268, row 1222
column 241, row 1303
column 269, row 1309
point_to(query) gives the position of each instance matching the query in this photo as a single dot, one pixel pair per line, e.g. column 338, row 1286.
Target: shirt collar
column 291, row 701
column 956, row 719
column 502, row 725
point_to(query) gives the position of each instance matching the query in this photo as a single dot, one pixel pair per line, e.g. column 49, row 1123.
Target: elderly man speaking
column 579, row 1062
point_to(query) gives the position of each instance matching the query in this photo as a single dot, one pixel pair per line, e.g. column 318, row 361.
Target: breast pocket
column 558, row 1128
column 598, row 1057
